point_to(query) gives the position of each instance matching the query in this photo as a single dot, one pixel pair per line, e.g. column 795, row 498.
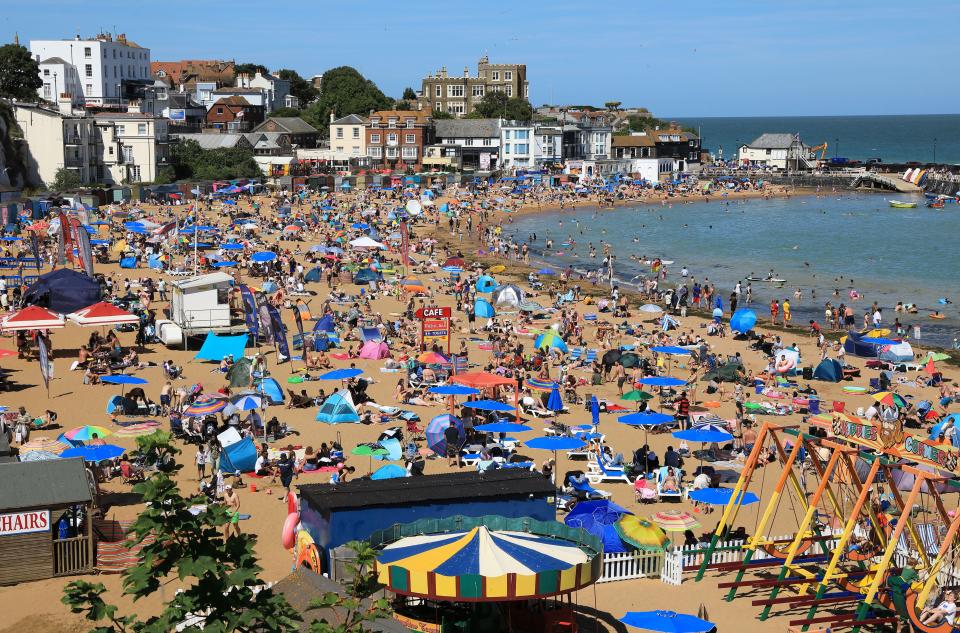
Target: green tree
column 218, row 575
column 441, row 114
column 165, row 175
column 65, row 180
column 190, row 161
column 285, row 112
column 613, row 105
column 355, row 609
column 345, row 92
column 299, row 87
column 19, row 73
column 409, row 94
column 499, row 105
column 249, row 69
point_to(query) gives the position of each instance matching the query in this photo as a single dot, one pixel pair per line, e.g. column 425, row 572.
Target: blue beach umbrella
column 224, row 264
column 453, row 390
column 121, row 379
column 662, row 381
column 554, row 402
column 435, row 432
column 488, row 405
column 389, row 471
column 743, row 320
column 263, row 257
column 645, row 419
column 94, row 453
column 555, row 443
column 340, row 374
column 666, row 622
column 502, row 427
column 672, row 350
column 546, row 271
column 722, row 496
column 248, row 403
column 703, row 435
column 232, row 246
column 595, row 410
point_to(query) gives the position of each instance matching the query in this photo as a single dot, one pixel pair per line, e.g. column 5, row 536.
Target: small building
column 348, row 139
column 335, row 514
column 774, row 150
column 234, row 114
column 45, row 514
column 396, row 138
column 202, row 303
column 478, row 141
column 299, row 132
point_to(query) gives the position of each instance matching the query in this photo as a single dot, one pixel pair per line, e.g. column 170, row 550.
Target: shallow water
column 818, row 244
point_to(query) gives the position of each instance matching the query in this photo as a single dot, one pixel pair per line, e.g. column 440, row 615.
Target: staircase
column 881, row 181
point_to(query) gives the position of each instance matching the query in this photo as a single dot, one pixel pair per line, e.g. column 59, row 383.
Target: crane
column 822, row 148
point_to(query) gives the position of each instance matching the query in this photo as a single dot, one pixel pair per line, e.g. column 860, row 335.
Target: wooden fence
column 72, row 556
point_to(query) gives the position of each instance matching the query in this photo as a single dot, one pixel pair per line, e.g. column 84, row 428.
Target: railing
column 72, row 556
column 627, row 565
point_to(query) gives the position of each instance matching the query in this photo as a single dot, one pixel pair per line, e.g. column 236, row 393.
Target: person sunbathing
column 670, row 483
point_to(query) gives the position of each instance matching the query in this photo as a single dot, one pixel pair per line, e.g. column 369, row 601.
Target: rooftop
column 55, row 482
column 215, row 141
column 54, row 60
column 290, row 124
column 773, row 140
column 632, row 140
column 467, row 128
column 350, row 119
column 361, row 493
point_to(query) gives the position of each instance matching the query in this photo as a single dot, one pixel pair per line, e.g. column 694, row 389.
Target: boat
column 771, row 280
column 899, row 204
column 937, row 204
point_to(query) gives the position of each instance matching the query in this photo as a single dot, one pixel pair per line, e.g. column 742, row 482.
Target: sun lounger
column 600, row 470
column 661, row 476
column 585, row 488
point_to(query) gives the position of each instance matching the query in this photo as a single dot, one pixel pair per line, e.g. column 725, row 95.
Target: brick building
column 459, row 95
column 396, row 138
column 234, row 114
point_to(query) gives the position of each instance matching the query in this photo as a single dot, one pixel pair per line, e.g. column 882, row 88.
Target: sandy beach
column 36, row 606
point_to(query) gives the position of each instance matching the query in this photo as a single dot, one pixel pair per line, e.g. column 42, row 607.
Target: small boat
column 899, row 204
column 935, row 205
column 771, row 280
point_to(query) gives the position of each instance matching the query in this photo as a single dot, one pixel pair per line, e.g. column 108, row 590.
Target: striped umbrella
column 38, row 456
column 550, row 339
column 675, row 520
column 43, row 444
column 247, row 402
column 435, row 429
column 433, row 358
column 641, row 533
column 540, row 384
column 889, row 398
column 87, row 432
column 138, row 430
column 205, row 407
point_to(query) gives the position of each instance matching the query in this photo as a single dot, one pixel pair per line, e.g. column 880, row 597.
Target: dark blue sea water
column 894, row 138
column 822, row 245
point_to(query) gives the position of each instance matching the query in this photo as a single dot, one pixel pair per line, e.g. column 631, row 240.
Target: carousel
column 481, row 573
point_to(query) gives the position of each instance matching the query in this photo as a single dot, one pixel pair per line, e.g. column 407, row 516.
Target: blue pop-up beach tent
column 338, row 409
column 218, row 347
column 271, row 389
column 241, row 456
column 829, row 370
column 483, row 308
column 325, row 324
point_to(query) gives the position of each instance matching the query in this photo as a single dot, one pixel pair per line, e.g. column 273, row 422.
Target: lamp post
column 934, row 149
column 836, row 149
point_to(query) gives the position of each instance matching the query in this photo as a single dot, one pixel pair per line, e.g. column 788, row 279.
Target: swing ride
column 874, row 541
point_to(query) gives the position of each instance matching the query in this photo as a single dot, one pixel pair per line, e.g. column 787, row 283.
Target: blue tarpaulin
column 218, row 347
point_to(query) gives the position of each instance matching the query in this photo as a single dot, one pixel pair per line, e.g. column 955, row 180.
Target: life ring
column 292, row 505
column 288, row 536
column 854, row 295
column 785, row 363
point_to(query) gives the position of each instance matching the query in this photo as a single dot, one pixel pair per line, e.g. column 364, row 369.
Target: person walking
column 202, row 459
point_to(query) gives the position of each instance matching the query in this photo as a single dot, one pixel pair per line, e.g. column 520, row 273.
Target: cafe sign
column 24, row 522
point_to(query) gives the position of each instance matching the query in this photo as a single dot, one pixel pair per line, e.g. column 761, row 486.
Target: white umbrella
column 366, row 242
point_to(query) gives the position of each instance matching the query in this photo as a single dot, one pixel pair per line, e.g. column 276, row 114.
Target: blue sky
column 691, row 58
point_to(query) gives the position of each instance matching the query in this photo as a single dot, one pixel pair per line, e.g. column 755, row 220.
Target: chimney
column 65, row 103
column 443, row 72
column 466, row 71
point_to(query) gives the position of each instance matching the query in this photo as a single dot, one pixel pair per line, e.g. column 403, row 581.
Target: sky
column 678, row 59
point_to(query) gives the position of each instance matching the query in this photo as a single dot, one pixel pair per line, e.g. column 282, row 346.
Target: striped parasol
column 641, row 533
column 44, row 444
column 433, row 358
column 889, row 398
column 435, row 432
column 38, row 456
column 540, row 384
column 675, row 520
column 138, row 430
column 87, row 432
column 205, row 407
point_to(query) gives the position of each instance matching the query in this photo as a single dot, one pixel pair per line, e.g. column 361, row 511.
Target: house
column 348, row 139
column 277, row 90
column 226, row 140
column 184, row 75
column 774, row 150
column 111, row 70
column 235, row 114
column 637, row 153
column 254, row 96
column 58, row 138
column 680, row 145
column 183, row 111
column 142, row 146
column 548, row 145
column 59, row 78
column 516, row 141
column 397, row 138
column 273, row 152
column 459, row 95
column 301, row 133
column 475, row 141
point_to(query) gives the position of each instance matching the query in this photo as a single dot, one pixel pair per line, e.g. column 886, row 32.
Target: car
column 874, row 161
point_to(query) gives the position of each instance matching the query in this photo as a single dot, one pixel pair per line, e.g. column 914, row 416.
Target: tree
column 355, row 609
column 285, row 112
column 218, row 575
column 613, row 105
column 403, row 104
column 498, row 105
column 345, row 92
column 299, row 87
column 439, row 115
column 190, row 161
column 249, row 69
column 19, row 73
column 65, row 180
column 409, row 94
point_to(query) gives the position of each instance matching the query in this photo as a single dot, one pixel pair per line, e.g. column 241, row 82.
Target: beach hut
column 338, row 408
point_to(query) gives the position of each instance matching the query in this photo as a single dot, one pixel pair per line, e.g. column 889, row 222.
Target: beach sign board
column 24, row 522
column 434, row 325
column 889, row 437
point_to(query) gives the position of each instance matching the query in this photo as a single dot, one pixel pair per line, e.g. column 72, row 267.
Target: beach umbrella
column 650, row 309
column 433, row 358
column 232, row 246
column 541, row 385
column 636, row 396
column 389, row 471
column 453, row 390
column 666, row 622
column 937, row 356
column 594, row 411
column 123, row 379
column 641, row 533
column 367, row 450
column 488, row 405
column 224, row 264
column 662, row 381
column 646, row 418
column 205, row 407
column 598, row 518
column 102, row 313
column 262, row 257
column 436, row 440
column 453, row 270
column 32, row 318
column 459, row 262
column 38, row 456
column 502, row 427
column 675, row 520
column 722, row 496
column 43, row 444
column 743, row 320
column 138, row 430
column 550, row 339
column 247, row 402
column 340, row 374
column 95, row 453
column 555, row 402
column 671, row 350
column 87, row 432
column 700, row 434
column 889, row 398
column 555, row 443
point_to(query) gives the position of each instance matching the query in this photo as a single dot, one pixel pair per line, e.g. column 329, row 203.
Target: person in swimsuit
column 232, row 501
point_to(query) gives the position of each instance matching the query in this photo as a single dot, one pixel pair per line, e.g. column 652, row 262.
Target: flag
column 46, row 370
column 298, row 319
column 279, row 330
column 405, row 244
column 250, row 311
column 35, row 245
column 66, row 242
column 85, row 249
column 266, row 322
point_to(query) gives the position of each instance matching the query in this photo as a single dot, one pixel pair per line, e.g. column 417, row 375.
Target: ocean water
column 821, row 245
column 893, row 138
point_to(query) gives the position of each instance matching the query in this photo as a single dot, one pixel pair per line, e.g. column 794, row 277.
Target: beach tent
column 856, row 345
column 389, row 471
column 365, row 275
column 483, row 308
column 900, row 353
column 743, row 320
column 314, row 274
column 219, row 347
column 509, row 295
column 63, row 291
column 325, row 324
column 128, row 262
column 374, row 350
column 338, row 408
column 271, row 389
column 486, row 283
column 829, row 370
column 239, row 457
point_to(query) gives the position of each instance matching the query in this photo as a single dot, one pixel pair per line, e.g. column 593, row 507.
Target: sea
column 826, row 245
column 894, row 138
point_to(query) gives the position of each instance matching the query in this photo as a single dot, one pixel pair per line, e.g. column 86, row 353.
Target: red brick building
column 234, row 114
column 396, row 138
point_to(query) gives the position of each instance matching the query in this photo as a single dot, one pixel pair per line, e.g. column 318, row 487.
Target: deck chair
column 586, row 489
column 530, row 406
column 591, row 356
column 600, row 470
column 414, row 431
column 661, row 476
column 576, row 354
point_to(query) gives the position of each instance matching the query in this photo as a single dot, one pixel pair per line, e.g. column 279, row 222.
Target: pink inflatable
column 292, row 503
column 288, row 537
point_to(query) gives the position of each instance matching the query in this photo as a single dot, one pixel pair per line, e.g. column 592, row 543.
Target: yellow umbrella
column 499, row 268
column 641, row 533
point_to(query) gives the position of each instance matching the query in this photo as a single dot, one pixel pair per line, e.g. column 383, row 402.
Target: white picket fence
column 627, row 565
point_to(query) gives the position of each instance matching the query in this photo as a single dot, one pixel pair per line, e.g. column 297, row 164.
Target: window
column 391, row 152
column 375, row 122
column 769, row 152
column 409, row 153
column 356, row 132
column 522, row 148
column 135, row 177
column 392, row 122
column 508, row 90
column 374, row 138
column 409, row 138
column 46, row 91
column 46, row 72
column 508, row 75
column 88, row 70
column 87, row 52
column 356, row 151
column 110, row 150
column 339, row 132
column 495, row 75
column 522, row 135
column 340, row 148
column 88, row 90
column 391, row 138
column 478, row 90
column 376, row 152
column 455, row 90
column 219, row 109
column 141, row 129
column 120, row 130
column 439, row 91
column 506, row 148
column 455, row 108
column 127, row 153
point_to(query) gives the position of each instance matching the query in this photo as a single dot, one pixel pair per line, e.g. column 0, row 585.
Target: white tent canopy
column 366, row 242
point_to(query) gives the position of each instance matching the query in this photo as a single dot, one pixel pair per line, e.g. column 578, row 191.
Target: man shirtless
column 232, row 501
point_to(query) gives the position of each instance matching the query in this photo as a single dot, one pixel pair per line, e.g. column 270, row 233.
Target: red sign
column 24, row 522
column 434, row 312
